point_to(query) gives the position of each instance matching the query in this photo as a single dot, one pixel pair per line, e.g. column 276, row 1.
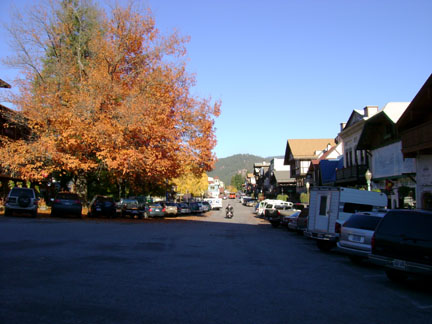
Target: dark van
column 402, row 244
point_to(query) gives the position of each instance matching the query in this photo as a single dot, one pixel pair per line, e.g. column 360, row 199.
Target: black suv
column 402, row 243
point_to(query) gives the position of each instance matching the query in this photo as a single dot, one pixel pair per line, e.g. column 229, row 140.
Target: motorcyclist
column 229, row 211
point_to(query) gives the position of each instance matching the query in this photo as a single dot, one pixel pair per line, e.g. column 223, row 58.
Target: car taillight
column 77, row 202
column 278, row 213
column 164, row 210
column 338, row 228
column 57, row 201
column 150, row 209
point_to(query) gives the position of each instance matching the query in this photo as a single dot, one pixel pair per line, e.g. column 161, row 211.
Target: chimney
column 369, row 111
column 342, row 126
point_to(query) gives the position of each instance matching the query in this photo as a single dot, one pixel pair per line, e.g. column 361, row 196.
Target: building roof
column 4, row 84
column 306, row 148
column 376, row 129
column 394, row 110
column 419, row 110
column 283, row 177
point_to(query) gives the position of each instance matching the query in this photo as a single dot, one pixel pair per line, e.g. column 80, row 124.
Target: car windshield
column 129, row 201
column 67, row 196
column 104, row 199
column 408, row 224
column 366, row 222
column 21, row 192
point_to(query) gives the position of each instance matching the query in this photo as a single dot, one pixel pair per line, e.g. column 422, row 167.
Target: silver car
column 356, row 234
column 22, row 200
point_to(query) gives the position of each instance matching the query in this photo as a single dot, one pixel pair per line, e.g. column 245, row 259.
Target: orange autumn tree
column 108, row 93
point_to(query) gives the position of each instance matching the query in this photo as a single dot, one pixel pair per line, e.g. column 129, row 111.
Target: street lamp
column 368, row 176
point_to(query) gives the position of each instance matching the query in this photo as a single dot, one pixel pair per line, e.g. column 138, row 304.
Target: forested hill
column 225, row 168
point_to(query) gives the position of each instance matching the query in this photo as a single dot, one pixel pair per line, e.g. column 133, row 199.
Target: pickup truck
column 402, row 244
column 276, row 214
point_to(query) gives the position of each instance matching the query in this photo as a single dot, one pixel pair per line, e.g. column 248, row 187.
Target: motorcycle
column 229, row 214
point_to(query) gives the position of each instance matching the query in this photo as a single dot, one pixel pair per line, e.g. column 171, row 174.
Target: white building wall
column 388, row 161
column 279, row 165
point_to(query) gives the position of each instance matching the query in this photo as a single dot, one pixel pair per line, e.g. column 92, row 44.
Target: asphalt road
column 202, row 269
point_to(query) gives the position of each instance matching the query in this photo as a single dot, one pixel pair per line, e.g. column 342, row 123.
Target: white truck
column 215, row 203
column 331, row 206
column 262, row 205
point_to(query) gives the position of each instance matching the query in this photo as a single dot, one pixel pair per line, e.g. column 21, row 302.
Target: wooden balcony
column 355, row 174
column 417, row 140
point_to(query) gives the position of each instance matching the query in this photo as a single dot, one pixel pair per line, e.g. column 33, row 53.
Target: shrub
column 282, row 197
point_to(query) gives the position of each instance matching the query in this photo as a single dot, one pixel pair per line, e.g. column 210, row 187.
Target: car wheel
column 8, row 212
column 396, row 276
column 35, row 213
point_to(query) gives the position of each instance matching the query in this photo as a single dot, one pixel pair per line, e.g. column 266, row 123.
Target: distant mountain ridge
column 226, row 168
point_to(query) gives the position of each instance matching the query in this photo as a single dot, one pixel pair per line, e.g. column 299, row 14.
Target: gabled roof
column 355, row 116
column 394, row 110
column 419, row 110
column 376, row 129
column 4, row 84
column 306, row 148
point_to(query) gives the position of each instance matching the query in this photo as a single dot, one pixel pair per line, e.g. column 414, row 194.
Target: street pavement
column 196, row 269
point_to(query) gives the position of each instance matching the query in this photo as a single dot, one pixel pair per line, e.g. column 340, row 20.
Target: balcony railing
column 417, row 139
column 354, row 173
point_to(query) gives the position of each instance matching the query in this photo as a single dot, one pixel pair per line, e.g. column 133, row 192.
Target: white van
column 215, row 203
column 263, row 203
column 329, row 207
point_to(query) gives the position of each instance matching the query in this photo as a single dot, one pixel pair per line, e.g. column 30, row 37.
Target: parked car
column 171, row 208
column 21, row 200
column 102, row 206
column 142, row 201
column 131, row 208
column 195, row 208
column 356, row 235
column 251, row 203
column 206, row 206
column 402, row 244
column 272, row 213
column 302, row 220
column 263, row 204
column 183, row 208
column 291, row 220
column 154, row 210
column 66, row 204
column 300, row 206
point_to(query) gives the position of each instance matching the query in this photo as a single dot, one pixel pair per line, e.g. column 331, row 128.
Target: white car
column 263, row 204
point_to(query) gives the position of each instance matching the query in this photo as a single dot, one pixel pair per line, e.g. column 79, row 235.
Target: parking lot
column 193, row 269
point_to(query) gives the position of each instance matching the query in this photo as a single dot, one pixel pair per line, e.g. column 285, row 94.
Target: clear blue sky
column 294, row 69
